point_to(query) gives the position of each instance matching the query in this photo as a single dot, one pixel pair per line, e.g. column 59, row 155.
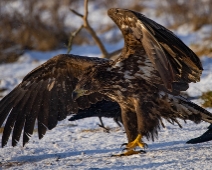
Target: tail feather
column 179, row 107
column 193, row 110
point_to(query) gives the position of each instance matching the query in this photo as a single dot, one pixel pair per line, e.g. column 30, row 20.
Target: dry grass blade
column 207, row 98
column 1, row 129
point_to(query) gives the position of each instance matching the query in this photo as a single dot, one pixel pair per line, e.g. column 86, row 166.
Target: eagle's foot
column 137, row 142
column 128, row 153
column 132, row 145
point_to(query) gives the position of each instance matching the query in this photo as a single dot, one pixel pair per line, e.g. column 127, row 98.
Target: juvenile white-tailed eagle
column 145, row 80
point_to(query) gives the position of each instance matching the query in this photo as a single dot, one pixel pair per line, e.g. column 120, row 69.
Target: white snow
column 83, row 145
column 86, row 146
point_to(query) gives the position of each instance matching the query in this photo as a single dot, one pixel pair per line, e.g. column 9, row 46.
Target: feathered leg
column 140, row 128
column 147, row 124
column 130, row 123
column 129, row 119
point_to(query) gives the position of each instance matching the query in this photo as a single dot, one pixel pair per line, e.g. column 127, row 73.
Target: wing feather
column 43, row 114
column 6, row 108
column 158, row 58
column 53, row 108
column 19, row 124
column 12, row 118
column 31, row 114
column 45, row 95
column 176, row 63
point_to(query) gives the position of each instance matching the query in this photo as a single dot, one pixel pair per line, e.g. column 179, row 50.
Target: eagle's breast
column 135, row 70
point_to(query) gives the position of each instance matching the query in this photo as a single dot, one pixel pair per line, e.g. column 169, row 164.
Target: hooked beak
column 78, row 93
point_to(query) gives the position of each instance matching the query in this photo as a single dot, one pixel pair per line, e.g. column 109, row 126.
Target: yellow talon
column 137, row 142
column 132, row 145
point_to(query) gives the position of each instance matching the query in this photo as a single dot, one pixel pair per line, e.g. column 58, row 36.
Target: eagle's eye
column 86, row 86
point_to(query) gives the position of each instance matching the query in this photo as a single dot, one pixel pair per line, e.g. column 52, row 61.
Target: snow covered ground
column 83, row 145
column 86, row 146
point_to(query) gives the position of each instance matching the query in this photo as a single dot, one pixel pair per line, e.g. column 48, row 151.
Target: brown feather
column 173, row 60
column 50, row 86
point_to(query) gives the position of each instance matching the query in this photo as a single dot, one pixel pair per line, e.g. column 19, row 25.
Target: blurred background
column 33, row 31
column 46, row 25
column 29, row 27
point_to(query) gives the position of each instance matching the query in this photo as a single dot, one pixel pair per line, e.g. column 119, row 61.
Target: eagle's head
column 129, row 24
column 124, row 18
column 94, row 80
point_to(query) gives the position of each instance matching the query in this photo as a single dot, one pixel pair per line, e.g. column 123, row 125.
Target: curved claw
column 124, row 144
column 145, row 146
column 124, row 149
column 142, row 145
column 142, row 151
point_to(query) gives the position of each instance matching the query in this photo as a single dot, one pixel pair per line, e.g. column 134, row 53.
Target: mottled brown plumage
column 145, row 81
column 45, row 95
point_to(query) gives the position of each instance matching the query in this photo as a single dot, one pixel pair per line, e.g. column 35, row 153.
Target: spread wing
column 176, row 64
column 45, row 95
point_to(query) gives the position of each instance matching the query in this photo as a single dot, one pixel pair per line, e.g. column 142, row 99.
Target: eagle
column 145, row 80
column 100, row 109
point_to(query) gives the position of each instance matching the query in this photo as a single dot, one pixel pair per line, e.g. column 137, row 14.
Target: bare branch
column 73, row 35
column 92, row 32
column 85, row 9
column 76, row 13
column 87, row 26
